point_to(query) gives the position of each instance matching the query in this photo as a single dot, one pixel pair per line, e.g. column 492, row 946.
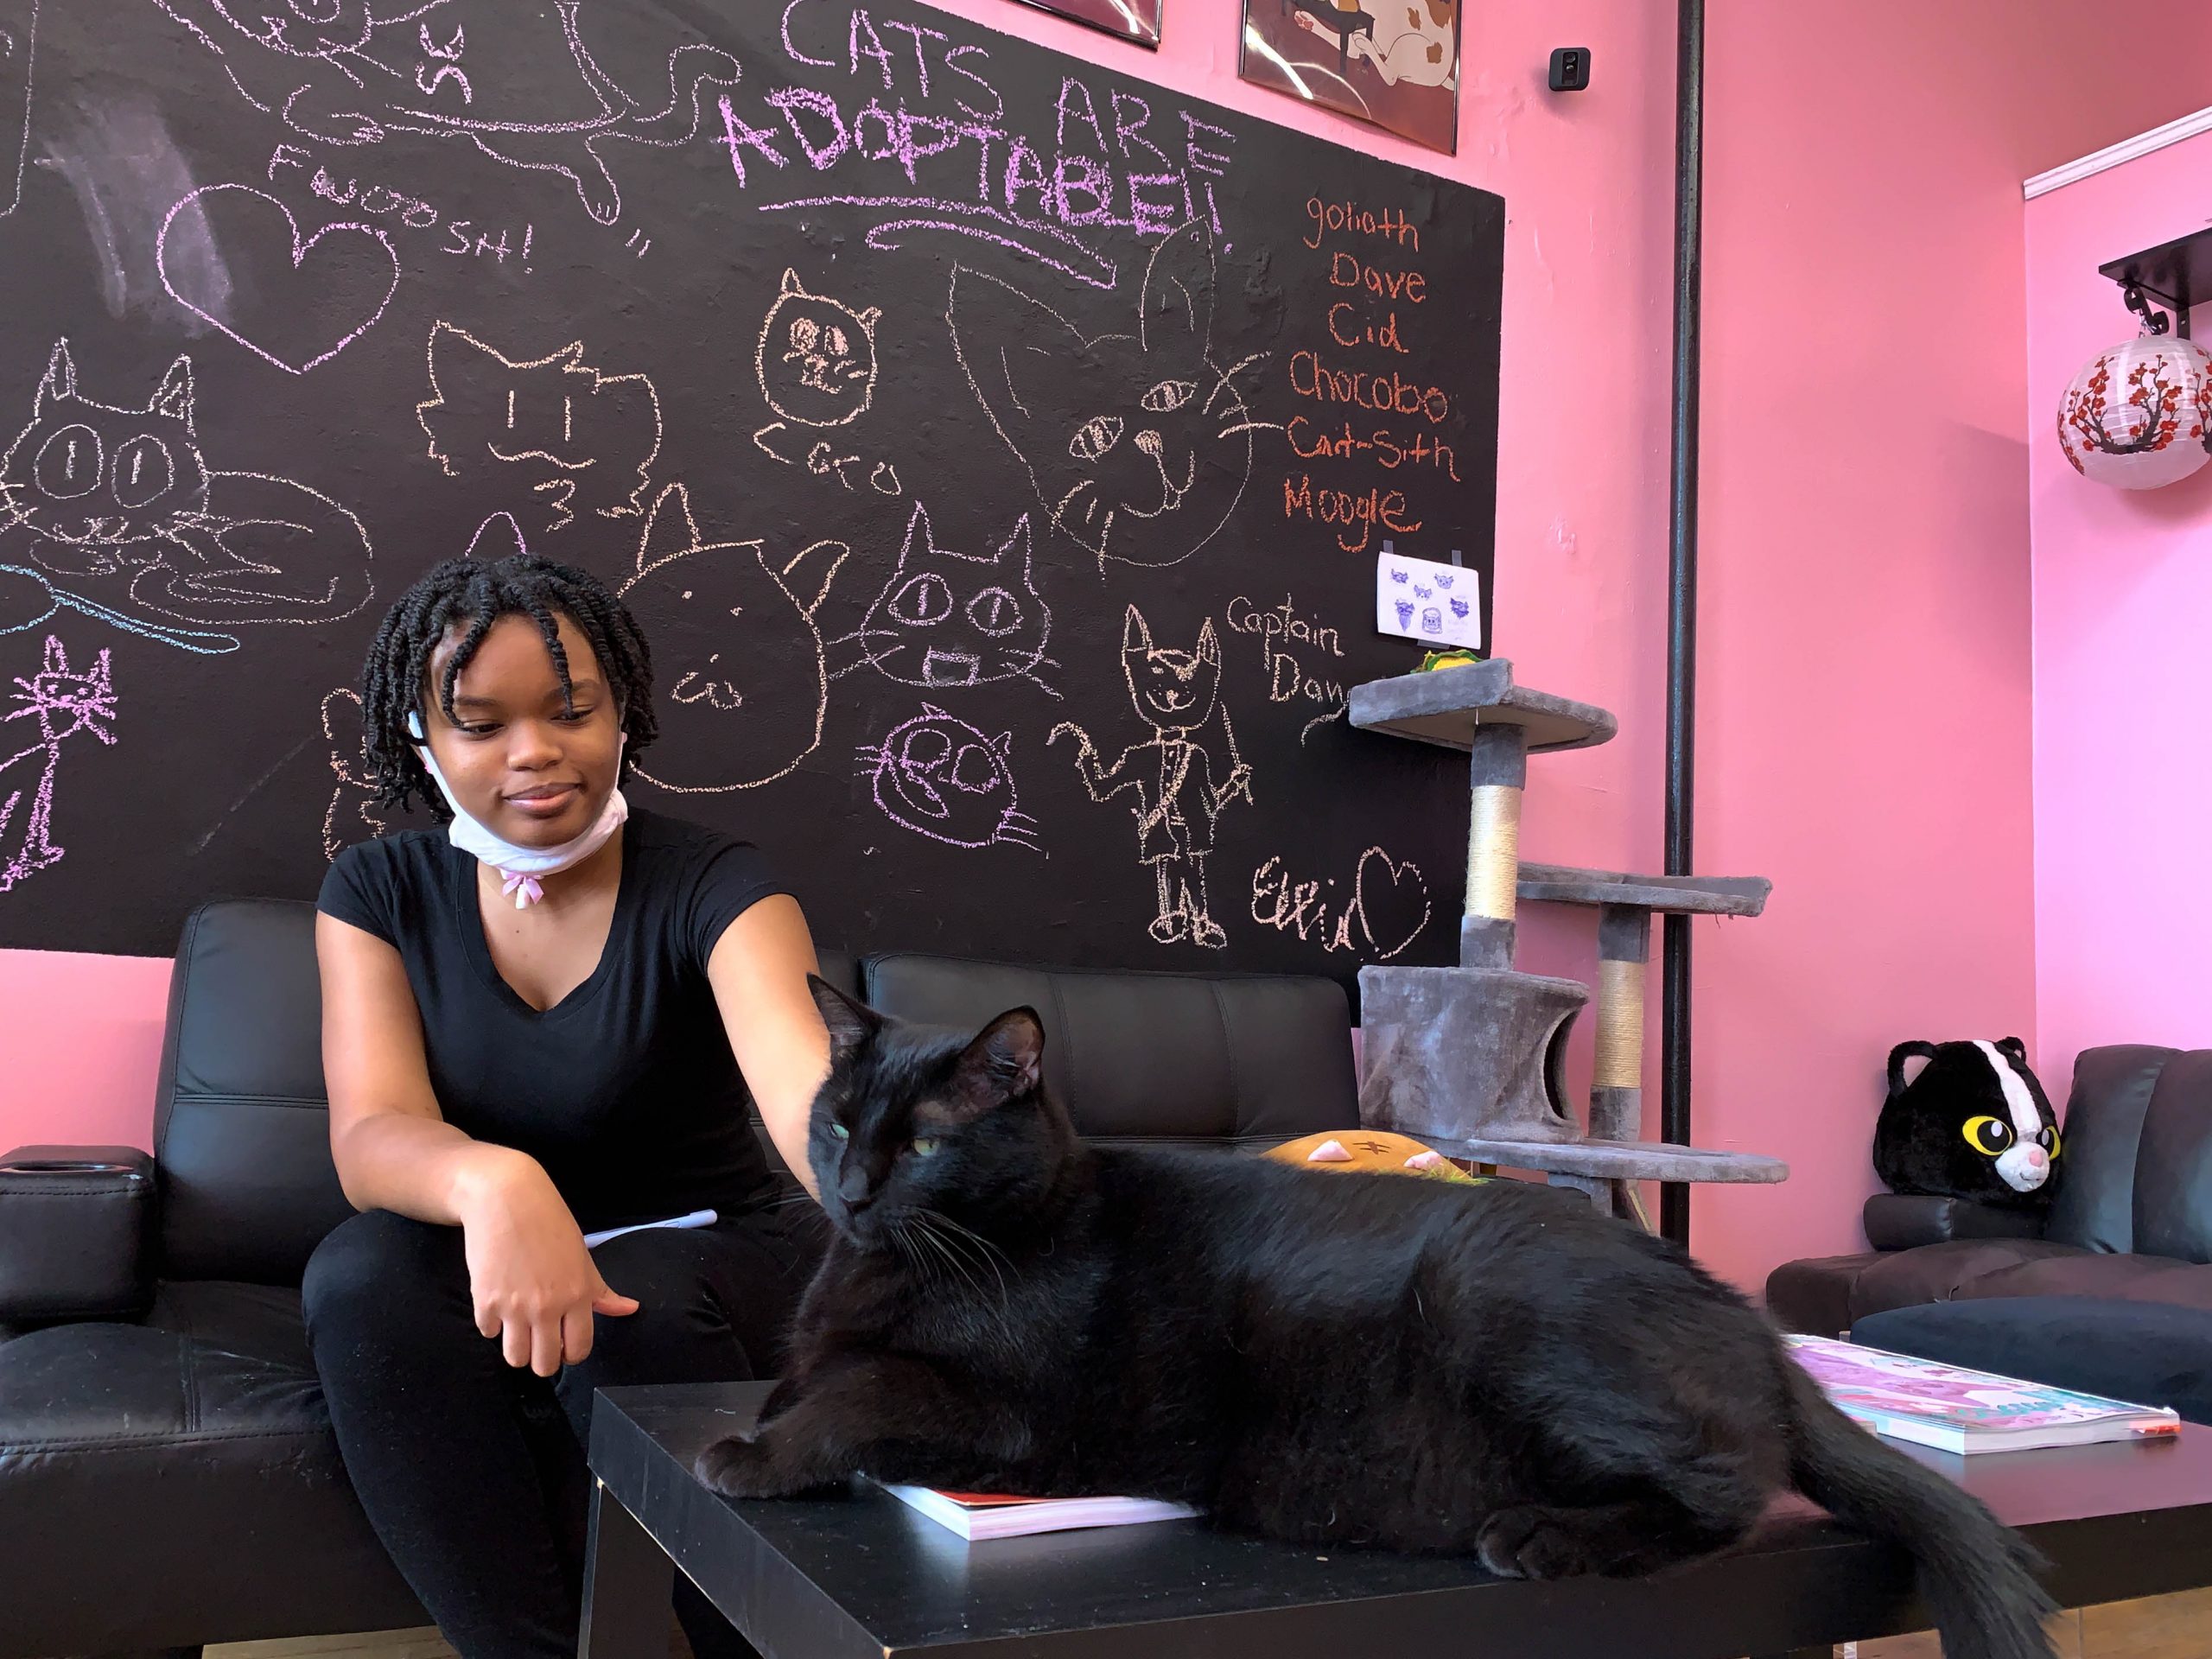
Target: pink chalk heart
column 233, row 255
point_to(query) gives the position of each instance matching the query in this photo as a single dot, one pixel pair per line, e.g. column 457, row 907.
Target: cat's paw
column 1527, row 1542
column 740, row 1468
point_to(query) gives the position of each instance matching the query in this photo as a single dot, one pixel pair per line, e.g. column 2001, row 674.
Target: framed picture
column 1393, row 62
column 1133, row 20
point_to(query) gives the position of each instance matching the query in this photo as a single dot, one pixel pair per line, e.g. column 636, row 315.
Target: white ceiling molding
column 2116, row 154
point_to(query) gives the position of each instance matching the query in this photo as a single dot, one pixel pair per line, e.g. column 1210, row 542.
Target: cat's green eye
column 840, row 1132
column 923, row 1146
column 1987, row 1135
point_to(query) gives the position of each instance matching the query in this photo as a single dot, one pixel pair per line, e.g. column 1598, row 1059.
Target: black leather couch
column 168, row 1476
column 2110, row 1291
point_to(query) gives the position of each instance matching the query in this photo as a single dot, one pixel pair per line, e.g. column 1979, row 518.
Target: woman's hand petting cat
column 535, row 1286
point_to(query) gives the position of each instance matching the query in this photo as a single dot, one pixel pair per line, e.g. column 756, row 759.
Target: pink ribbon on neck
column 522, row 889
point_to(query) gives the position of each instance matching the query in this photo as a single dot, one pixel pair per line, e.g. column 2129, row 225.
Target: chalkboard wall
column 996, row 448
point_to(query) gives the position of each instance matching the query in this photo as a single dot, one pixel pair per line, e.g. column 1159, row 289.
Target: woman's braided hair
column 464, row 592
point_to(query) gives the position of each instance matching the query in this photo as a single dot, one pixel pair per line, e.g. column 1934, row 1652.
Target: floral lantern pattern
column 2138, row 416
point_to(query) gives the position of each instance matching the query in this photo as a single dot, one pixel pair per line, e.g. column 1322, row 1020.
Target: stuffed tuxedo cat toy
column 1974, row 1124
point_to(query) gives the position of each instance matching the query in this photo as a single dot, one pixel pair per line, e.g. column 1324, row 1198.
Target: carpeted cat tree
column 1469, row 1059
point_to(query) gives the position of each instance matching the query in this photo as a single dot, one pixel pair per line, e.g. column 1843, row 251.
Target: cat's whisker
column 1249, row 426
column 992, row 1253
column 925, row 1233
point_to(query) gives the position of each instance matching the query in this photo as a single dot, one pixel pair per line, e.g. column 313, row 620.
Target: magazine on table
column 1955, row 1409
column 976, row 1516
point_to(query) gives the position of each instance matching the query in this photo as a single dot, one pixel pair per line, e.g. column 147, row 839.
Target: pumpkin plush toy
column 1974, row 1124
column 1371, row 1149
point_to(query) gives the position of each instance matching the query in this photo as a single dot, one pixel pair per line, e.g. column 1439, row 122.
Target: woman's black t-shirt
column 624, row 1090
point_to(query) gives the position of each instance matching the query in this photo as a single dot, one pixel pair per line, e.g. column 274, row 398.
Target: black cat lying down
column 1493, row 1370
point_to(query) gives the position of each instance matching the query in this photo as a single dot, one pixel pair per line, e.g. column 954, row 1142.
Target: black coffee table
column 868, row 1578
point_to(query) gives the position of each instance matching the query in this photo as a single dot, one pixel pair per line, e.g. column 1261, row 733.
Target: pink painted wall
column 1863, row 728
column 82, row 1037
column 2123, row 588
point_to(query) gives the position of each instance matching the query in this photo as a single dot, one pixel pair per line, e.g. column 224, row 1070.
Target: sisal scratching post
column 1617, row 1082
column 1497, row 771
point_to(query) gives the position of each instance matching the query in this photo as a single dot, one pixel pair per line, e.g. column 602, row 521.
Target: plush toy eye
column 1987, row 1135
column 2048, row 1139
column 923, row 1146
column 840, row 1132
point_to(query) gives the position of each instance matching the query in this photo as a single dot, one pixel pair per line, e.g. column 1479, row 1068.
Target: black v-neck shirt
column 624, row 1090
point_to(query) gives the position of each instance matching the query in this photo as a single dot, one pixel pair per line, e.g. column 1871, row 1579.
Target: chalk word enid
column 926, row 111
column 1377, row 914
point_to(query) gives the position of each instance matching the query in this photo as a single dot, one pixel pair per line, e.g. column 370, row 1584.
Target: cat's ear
column 1135, row 634
column 1016, row 352
column 1209, row 651
column 850, row 1023
column 1019, row 538
column 869, row 319
column 1005, row 1062
column 670, row 532
column 172, row 397
column 498, row 537
column 791, row 285
column 1001, row 746
column 917, row 529
column 59, row 385
column 1175, row 312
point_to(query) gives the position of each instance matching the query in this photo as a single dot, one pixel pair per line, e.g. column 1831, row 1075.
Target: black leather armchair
column 168, row 1476
column 2132, row 1221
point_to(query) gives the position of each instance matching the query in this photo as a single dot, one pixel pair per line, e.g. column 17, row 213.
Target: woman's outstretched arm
column 758, row 970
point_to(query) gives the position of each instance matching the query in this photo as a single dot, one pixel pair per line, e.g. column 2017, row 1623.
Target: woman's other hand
column 535, row 1286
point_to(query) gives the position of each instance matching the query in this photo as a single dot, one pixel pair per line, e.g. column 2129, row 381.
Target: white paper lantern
column 2137, row 415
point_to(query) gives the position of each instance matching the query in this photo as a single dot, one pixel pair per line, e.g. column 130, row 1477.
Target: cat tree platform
column 1468, row 1058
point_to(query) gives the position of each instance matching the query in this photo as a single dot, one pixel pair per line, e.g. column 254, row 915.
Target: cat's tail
column 1976, row 1574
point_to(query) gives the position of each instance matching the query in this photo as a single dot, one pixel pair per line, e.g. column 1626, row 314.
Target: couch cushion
column 1824, row 1295
column 241, row 1126
column 1147, row 1056
column 2151, row 1279
column 2151, row 1354
column 2137, row 1163
column 184, row 1484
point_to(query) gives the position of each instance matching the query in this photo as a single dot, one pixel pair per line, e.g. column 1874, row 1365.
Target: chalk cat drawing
column 361, row 72
column 353, row 814
column 586, row 440
column 940, row 777
column 1138, row 444
column 112, row 509
column 1172, row 775
column 48, row 705
column 947, row 619
column 815, row 360
column 736, row 649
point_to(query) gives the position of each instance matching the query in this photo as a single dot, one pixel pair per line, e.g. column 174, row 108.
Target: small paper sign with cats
column 1436, row 604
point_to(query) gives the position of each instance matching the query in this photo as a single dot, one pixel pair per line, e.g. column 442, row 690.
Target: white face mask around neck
column 520, row 867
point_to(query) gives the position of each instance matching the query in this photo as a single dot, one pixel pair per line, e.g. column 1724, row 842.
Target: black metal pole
column 1681, row 597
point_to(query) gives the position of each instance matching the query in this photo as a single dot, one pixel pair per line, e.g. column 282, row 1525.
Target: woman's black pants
column 473, row 1471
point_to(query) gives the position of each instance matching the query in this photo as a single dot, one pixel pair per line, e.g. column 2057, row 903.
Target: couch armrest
column 73, row 1226
column 1899, row 1221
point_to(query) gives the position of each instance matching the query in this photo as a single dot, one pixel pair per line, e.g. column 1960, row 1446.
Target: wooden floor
column 2165, row 1627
